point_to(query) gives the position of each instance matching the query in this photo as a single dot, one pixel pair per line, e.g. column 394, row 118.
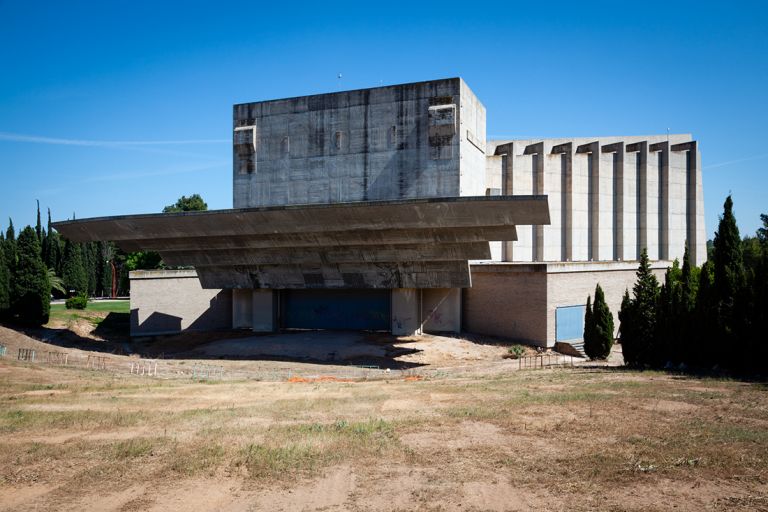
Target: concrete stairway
column 572, row 348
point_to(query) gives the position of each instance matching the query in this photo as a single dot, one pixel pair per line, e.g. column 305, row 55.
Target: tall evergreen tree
column 73, row 271
column 598, row 339
column 588, row 324
column 638, row 319
column 31, row 290
column 52, row 253
column 625, row 330
column 5, row 284
column 728, row 272
column 10, row 233
column 9, row 249
column 39, row 226
column 706, row 319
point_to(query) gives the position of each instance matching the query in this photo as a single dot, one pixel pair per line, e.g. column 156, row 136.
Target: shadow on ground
column 358, row 348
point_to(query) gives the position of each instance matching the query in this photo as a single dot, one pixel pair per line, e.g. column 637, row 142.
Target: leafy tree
column 73, row 271
column 762, row 232
column 598, row 337
column 31, row 290
column 187, row 204
column 57, row 283
column 638, row 320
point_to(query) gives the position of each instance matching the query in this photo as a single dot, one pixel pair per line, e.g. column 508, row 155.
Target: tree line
column 708, row 317
column 39, row 263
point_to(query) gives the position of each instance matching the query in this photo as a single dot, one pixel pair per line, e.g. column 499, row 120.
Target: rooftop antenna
column 667, row 134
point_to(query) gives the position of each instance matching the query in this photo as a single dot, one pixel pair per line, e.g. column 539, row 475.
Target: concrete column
column 537, row 186
column 592, row 152
column 693, row 208
column 566, row 199
column 241, row 309
column 406, row 311
column 617, row 149
column 641, row 198
column 507, row 157
column 263, row 310
column 662, row 149
column 441, row 309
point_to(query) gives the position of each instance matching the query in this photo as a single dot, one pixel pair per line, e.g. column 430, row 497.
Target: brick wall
column 170, row 301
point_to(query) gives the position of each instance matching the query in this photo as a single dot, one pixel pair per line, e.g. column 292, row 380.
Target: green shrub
column 516, row 351
column 79, row 301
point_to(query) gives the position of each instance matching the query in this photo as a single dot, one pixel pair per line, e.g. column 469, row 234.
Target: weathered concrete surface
column 413, row 274
column 448, row 212
column 406, row 312
column 431, row 241
column 413, row 140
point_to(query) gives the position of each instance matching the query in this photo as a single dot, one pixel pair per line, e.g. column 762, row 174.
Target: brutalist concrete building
column 387, row 209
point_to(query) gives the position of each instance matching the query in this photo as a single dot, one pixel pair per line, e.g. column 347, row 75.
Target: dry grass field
column 553, row 439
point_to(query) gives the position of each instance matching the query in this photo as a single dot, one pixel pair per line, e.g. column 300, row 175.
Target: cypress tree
column 706, row 320
column 728, row 272
column 31, row 291
column 637, row 337
column 626, row 334
column 601, row 330
column 5, row 284
column 73, row 271
column 9, row 246
column 588, row 325
column 107, row 252
column 89, row 265
column 39, row 226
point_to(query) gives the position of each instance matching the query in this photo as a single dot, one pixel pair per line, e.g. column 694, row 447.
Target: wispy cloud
column 737, row 161
column 37, row 139
column 129, row 175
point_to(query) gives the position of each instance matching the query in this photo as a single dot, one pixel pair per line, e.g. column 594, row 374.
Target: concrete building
column 388, row 209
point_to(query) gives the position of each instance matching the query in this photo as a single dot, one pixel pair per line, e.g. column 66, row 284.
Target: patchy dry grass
column 568, row 439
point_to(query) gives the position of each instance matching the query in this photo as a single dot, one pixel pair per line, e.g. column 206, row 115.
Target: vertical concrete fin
column 618, row 198
column 592, row 151
column 566, row 199
column 537, row 186
column 692, row 175
column 662, row 150
column 507, row 188
column 641, row 177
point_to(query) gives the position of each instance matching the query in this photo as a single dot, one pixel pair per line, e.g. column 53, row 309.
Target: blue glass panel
column 569, row 323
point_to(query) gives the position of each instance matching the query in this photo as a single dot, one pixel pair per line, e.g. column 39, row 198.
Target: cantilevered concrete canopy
column 417, row 243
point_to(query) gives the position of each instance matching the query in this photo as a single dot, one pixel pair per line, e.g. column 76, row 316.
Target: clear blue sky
column 121, row 107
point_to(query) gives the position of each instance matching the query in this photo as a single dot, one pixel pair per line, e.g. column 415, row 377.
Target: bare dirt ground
column 488, row 438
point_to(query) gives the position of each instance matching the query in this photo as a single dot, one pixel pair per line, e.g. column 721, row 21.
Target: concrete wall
column 170, row 301
column 609, row 197
column 441, row 309
column 402, row 141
